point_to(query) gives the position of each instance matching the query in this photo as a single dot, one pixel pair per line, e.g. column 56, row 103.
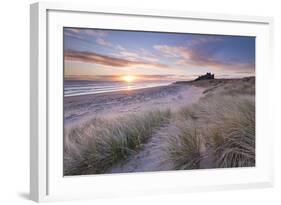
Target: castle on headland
column 207, row 76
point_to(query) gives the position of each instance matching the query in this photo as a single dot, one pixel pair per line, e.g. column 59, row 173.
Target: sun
column 129, row 78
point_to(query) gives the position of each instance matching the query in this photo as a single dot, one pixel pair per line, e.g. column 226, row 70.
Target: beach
column 118, row 103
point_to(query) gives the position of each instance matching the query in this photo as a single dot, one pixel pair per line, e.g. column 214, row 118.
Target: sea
column 85, row 87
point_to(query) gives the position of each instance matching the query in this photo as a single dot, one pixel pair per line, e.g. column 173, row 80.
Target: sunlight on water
column 85, row 87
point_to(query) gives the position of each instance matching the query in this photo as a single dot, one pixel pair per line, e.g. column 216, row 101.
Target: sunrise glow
column 132, row 56
column 128, row 78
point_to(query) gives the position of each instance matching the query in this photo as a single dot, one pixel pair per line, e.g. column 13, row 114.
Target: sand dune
column 187, row 125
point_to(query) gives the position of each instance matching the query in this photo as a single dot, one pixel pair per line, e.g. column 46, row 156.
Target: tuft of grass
column 236, row 148
column 183, row 150
column 102, row 144
column 224, row 125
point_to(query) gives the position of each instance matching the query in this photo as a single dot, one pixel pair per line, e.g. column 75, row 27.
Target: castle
column 208, row 76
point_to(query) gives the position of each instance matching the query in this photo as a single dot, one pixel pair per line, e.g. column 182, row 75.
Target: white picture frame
column 46, row 179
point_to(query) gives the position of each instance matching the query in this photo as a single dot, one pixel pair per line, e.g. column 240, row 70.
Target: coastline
column 118, row 103
column 127, row 87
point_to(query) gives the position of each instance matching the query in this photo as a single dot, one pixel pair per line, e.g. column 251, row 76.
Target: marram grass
column 223, row 124
column 106, row 143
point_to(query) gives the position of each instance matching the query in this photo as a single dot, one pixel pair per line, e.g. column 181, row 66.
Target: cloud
column 76, row 34
column 73, row 30
column 203, row 39
column 85, row 35
column 148, row 55
column 89, row 32
column 173, row 51
column 150, row 59
column 119, row 47
column 100, row 37
column 96, row 33
column 92, row 57
column 201, row 53
column 103, row 42
column 73, row 34
column 140, row 55
column 129, row 55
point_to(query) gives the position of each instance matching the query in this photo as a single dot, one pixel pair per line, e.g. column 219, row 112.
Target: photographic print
column 143, row 101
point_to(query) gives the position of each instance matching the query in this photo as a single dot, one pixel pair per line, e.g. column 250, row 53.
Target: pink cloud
column 189, row 57
column 92, row 57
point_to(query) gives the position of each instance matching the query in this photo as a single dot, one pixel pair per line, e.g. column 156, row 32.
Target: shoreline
column 128, row 88
column 79, row 109
column 116, row 91
column 124, row 102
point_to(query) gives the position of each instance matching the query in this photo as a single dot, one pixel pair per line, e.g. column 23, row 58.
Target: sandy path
column 153, row 158
column 150, row 158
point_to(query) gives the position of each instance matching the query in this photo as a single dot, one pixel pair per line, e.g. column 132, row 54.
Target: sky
column 105, row 54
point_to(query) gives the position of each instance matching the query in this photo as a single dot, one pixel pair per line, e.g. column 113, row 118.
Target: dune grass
column 183, row 149
column 218, row 130
column 223, row 123
column 236, row 148
column 100, row 144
